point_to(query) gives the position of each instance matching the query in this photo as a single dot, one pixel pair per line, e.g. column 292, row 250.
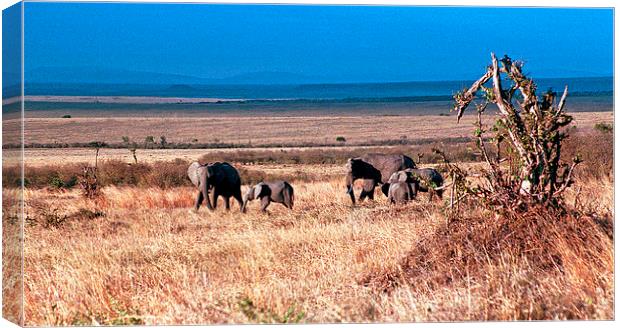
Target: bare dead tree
column 533, row 128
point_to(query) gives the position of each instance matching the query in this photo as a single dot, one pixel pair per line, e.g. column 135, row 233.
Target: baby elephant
column 402, row 192
column 278, row 191
column 422, row 180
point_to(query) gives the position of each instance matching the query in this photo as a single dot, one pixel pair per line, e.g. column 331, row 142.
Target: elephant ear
column 396, row 177
column 402, row 176
column 258, row 189
column 193, row 172
column 349, row 165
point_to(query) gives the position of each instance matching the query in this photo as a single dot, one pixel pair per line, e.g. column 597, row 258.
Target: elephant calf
column 401, row 192
column 424, row 180
column 278, row 192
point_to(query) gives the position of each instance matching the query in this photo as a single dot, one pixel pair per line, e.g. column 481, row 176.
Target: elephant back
column 359, row 168
column 193, row 172
column 388, row 164
column 428, row 175
column 226, row 174
column 408, row 163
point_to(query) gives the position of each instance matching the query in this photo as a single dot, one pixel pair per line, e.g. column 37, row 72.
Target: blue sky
column 11, row 48
column 327, row 43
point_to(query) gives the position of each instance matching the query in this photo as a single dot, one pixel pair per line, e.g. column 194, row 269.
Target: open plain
column 138, row 254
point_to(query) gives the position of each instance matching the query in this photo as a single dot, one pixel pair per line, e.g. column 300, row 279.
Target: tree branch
column 463, row 100
column 567, row 180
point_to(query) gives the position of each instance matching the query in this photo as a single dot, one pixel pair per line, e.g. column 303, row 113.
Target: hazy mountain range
column 69, row 75
column 120, row 76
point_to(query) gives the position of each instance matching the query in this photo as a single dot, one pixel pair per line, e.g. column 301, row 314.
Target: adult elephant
column 375, row 169
column 222, row 177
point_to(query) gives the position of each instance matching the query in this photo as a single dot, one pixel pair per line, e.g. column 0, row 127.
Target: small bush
column 87, row 214
column 604, row 127
column 56, row 182
column 66, row 116
column 261, row 315
column 341, row 139
column 89, row 182
column 53, row 218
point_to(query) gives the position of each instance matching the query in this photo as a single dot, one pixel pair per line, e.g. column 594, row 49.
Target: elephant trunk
column 248, row 196
column 243, row 206
column 385, row 188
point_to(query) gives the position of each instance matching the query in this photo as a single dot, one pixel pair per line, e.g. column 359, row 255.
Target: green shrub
column 56, row 182
column 262, row 315
column 604, row 127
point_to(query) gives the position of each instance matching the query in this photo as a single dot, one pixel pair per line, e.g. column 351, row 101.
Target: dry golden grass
column 57, row 156
column 141, row 256
column 290, row 130
column 12, row 275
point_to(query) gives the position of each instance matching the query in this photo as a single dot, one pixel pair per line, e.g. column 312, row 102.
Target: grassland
column 255, row 131
column 139, row 255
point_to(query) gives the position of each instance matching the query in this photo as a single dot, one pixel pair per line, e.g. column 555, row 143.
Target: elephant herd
column 397, row 175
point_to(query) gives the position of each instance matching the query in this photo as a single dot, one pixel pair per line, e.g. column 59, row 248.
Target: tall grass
column 149, row 259
column 138, row 255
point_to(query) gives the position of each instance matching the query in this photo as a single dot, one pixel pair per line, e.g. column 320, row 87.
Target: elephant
column 277, row 192
column 222, row 177
column 401, row 192
column 374, row 169
column 425, row 180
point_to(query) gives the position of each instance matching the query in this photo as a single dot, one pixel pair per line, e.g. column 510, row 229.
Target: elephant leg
column 368, row 190
column 371, row 194
column 362, row 196
column 350, row 180
column 215, row 196
column 351, row 194
column 409, row 194
column 237, row 196
column 199, row 199
column 264, row 202
column 227, row 203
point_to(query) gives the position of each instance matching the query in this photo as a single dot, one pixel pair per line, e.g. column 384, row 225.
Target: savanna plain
column 138, row 254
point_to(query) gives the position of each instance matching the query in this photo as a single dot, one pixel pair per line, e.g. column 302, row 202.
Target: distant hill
column 95, row 75
column 66, row 75
column 270, row 78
